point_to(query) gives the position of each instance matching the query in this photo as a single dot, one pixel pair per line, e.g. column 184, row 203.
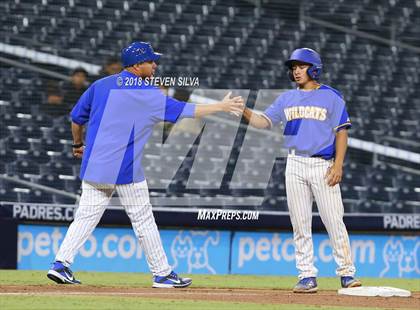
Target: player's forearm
column 255, row 120
column 340, row 146
column 77, row 132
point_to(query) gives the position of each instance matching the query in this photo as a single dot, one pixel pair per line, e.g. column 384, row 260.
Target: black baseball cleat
column 61, row 274
column 171, row 281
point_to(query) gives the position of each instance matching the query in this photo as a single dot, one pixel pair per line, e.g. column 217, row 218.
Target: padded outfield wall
column 383, row 245
column 220, row 252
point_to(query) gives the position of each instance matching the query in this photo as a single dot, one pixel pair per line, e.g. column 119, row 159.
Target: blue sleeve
column 168, row 109
column 274, row 113
column 175, row 109
column 189, row 111
column 81, row 111
column 340, row 118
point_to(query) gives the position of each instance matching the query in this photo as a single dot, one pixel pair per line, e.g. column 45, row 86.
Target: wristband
column 76, row 146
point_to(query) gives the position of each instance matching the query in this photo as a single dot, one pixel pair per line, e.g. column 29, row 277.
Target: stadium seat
column 405, row 207
column 30, row 132
column 275, row 204
column 49, row 145
column 25, row 167
column 52, row 180
column 408, row 194
column 72, row 186
column 371, row 207
column 375, row 193
column 348, row 192
column 58, row 168
column 17, row 144
column 62, row 132
column 60, row 199
column 38, row 196
column 8, row 195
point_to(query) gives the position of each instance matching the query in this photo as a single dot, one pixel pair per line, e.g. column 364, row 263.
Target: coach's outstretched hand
column 234, row 105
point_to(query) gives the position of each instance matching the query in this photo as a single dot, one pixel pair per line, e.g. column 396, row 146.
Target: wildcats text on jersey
column 310, row 112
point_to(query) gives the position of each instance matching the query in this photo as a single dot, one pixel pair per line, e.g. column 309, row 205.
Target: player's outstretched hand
column 78, row 152
column 334, row 175
column 234, row 105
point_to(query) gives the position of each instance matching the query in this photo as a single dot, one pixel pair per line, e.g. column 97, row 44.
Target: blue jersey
column 311, row 119
column 120, row 112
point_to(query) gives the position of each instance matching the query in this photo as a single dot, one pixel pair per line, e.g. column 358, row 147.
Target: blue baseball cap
column 138, row 52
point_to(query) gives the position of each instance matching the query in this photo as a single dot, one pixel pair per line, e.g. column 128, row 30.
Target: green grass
column 113, row 303
column 103, row 303
column 21, row 277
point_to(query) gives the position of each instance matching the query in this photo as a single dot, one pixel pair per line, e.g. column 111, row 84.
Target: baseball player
column 120, row 111
column 316, row 123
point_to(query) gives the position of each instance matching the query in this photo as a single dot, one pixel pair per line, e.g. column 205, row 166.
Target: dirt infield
column 263, row 296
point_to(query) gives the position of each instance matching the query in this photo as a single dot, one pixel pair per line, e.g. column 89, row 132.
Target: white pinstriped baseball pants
column 135, row 199
column 306, row 182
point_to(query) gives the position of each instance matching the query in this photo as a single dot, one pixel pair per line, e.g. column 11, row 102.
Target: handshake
column 233, row 105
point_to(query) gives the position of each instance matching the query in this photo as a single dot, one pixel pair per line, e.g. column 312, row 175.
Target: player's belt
column 295, row 152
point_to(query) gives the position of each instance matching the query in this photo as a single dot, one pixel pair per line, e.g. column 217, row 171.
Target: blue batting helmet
column 308, row 56
column 138, row 52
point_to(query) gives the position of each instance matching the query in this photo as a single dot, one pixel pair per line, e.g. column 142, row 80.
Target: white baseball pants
column 135, row 199
column 306, row 182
